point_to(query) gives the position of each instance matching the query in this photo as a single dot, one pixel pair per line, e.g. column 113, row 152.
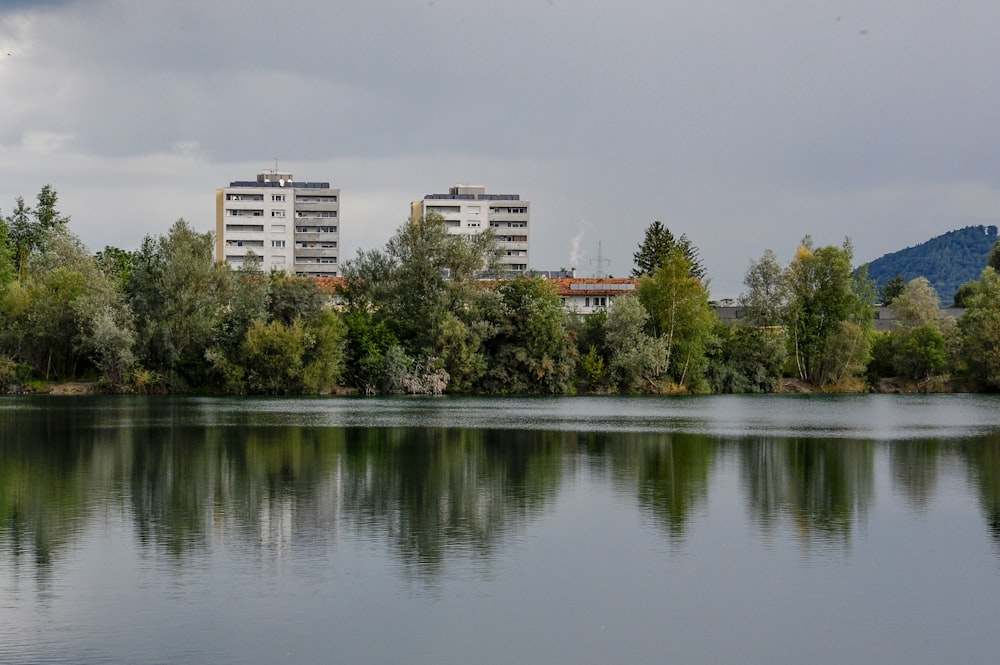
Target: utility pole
column 600, row 261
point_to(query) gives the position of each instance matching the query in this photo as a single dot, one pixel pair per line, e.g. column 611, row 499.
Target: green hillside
column 947, row 261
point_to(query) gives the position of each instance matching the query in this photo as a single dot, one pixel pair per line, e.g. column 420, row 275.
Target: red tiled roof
column 594, row 286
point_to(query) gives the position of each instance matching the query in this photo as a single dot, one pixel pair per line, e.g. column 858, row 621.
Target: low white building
column 586, row 295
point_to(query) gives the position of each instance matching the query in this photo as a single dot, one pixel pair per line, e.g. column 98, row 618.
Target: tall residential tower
column 470, row 210
column 287, row 225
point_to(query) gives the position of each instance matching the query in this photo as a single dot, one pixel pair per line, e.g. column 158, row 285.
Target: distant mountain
column 947, row 261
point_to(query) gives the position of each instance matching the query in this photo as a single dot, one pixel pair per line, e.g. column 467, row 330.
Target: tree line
column 417, row 317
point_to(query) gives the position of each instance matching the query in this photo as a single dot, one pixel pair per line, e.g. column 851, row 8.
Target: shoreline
column 787, row 386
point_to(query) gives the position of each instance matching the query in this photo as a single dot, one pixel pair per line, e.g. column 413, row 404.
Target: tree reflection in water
column 186, row 484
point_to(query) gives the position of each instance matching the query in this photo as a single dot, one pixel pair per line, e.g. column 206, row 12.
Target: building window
column 314, row 198
column 316, row 213
column 277, row 213
column 277, row 243
column 277, row 197
column 473, row 223
column 472, row 210
column 277, row 228
column 277, row 260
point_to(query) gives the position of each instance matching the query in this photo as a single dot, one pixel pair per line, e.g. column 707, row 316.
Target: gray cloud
column 744, row 127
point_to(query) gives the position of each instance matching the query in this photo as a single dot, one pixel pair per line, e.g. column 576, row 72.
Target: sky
column 744, row 126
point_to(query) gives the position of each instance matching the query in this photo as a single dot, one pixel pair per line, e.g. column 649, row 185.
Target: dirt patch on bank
column 72, row 388
column 795, row 386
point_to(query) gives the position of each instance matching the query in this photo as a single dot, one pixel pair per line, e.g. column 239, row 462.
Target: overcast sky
column 743, row 125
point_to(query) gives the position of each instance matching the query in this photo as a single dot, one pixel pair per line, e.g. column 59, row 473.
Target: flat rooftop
column 294, row 184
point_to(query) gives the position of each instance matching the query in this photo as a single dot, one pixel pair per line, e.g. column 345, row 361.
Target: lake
column 722, row 529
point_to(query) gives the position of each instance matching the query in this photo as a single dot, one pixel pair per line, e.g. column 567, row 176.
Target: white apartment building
column 286, row 224
column 470, row 210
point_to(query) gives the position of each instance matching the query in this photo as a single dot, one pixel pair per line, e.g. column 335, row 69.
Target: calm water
column 857, row 529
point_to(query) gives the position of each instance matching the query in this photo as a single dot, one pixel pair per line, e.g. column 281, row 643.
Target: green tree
column 531, row 351
column 635, row 359
column 418, row 293
column 766, row 297
column 962, row 293
column 291, row 297
column 47, row 216
column 368, row 341
column 429, row 260
column 680, row 314
column 27, row 227
column 980, row 330
column 746, row 359
column 655, row 248
column 8, row 270
column 825, row 294
column 917, row 304
column 993, row 258
column 920, row 352
column 277, row 335
column 111, row 343
column 472, row 319
column 177, row 291
column 23, row 235
column 916, row 347
column 892, row 289
column 116, row 263
column 65, row 318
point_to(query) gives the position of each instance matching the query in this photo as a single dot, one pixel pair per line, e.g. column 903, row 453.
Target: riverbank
column 788, row 386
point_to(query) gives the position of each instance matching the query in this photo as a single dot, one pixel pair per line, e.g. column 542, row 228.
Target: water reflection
column 186, row 483
column 824, row 487
column 982, row 457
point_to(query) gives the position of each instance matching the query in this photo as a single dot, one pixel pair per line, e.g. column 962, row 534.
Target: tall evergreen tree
column 26, row 227
column 892, row 289
column 656, row 246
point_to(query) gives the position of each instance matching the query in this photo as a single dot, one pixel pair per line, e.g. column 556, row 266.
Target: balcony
column 244, row 228
column 316, row 253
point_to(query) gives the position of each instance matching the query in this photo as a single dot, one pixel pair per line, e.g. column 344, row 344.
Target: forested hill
column 947, row 261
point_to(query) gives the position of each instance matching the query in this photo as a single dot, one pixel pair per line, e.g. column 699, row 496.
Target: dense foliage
column 417, row 317
column 165, row 317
